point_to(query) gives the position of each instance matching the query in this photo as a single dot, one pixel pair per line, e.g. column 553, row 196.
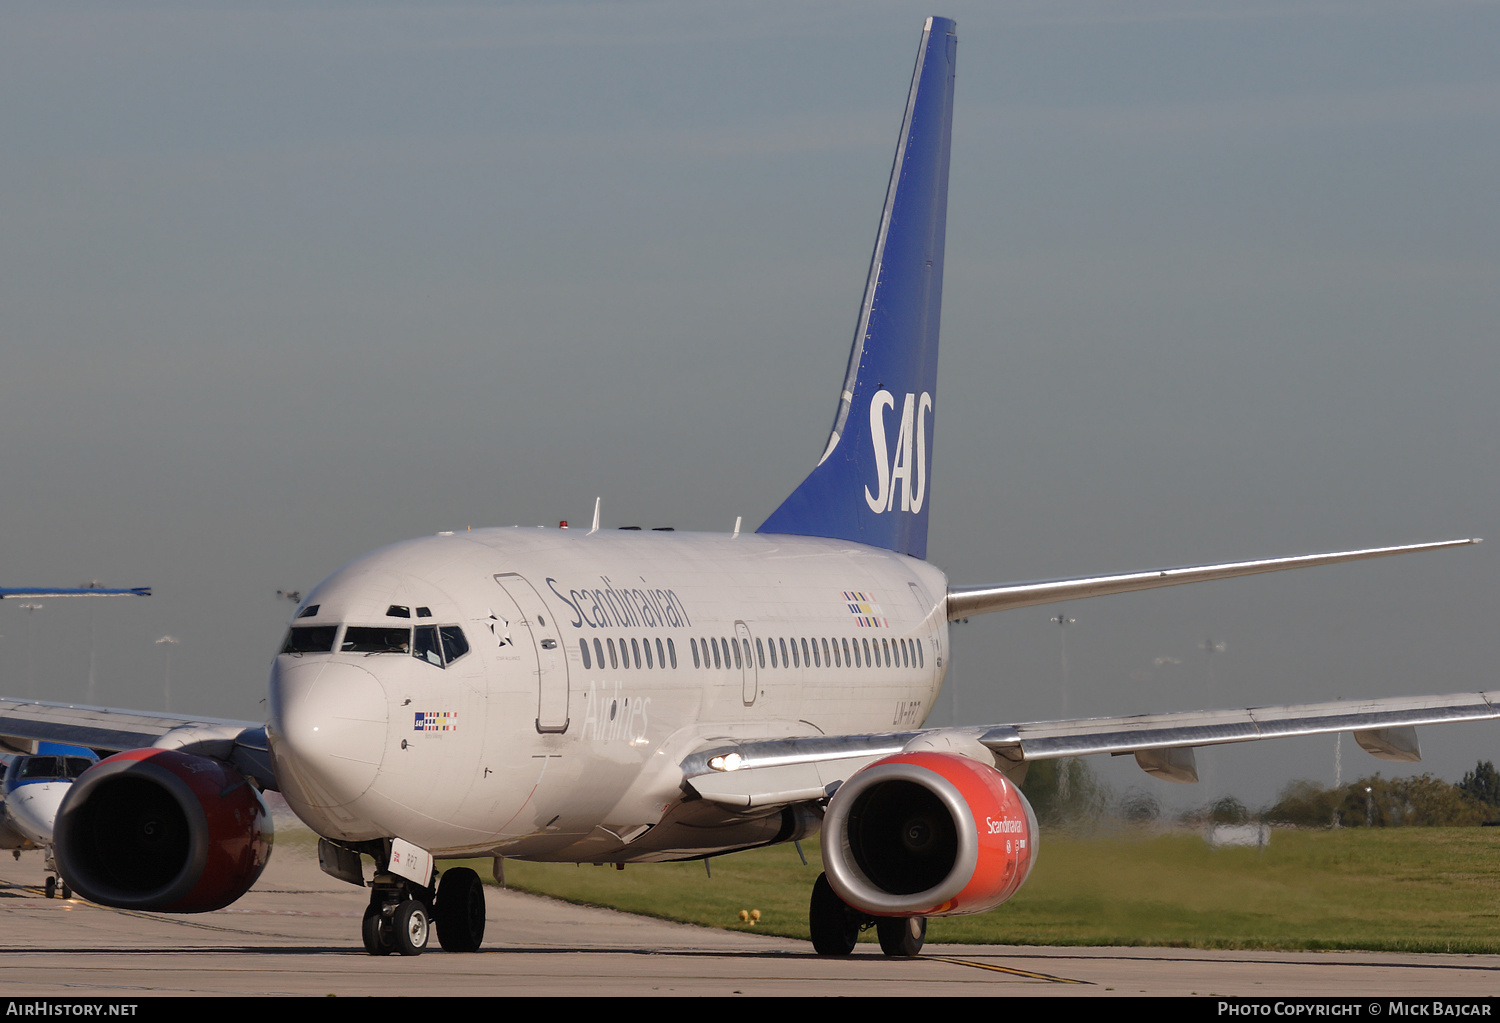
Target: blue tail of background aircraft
column 873, row 482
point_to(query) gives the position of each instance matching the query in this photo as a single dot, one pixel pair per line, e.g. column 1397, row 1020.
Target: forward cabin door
column 534, row 625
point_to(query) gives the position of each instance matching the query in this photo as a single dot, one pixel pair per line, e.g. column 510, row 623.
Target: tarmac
column 297, row 933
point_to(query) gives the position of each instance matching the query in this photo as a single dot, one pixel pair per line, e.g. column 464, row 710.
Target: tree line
column 1067, row 793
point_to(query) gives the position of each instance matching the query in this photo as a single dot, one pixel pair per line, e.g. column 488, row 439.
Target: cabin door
column 536, row 626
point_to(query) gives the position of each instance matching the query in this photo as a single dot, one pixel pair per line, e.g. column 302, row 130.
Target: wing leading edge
column 964, row 601
column 23, row 723
column 767, row 773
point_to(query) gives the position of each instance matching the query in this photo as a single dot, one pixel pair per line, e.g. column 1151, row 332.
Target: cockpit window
column 46, row 768
column 439, row 645
column 426, row 647
column 360, row 639
column 454, row 643
column 309, row 639
column 310, row 611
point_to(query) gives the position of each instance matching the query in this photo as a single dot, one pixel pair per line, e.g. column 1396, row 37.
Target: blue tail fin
column 873, row 482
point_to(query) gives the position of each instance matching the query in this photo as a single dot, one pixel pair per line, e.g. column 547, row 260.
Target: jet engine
column 928, row 834
column 162, row 830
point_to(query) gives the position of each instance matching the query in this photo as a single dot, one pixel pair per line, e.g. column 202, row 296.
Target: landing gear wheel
column 835, row 926
column 902, row 937
column 410, row 926
column 460, row 910
column 67, row 892
column 376, row 930
column 51, row 888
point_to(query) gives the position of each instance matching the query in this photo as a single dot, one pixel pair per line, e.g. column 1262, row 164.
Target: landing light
column 725, row 762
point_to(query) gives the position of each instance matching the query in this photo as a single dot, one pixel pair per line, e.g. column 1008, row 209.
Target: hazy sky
column 281, row 283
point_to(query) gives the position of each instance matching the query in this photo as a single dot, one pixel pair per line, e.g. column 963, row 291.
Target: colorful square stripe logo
column 866, row 612
column 436, row 721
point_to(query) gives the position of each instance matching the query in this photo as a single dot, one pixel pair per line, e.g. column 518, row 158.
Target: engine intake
column 928, row 834
column 162, row 830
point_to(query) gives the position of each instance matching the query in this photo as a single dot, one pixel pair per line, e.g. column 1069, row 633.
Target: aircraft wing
column 77, row 591
column 772, row 772
column 964, row 601
column 23, row 723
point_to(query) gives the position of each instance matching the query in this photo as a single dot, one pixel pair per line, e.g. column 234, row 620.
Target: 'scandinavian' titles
column 611, row 607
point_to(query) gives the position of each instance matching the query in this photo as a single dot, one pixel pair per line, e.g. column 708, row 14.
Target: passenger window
column 635, row 652
column 614, row 661
column 847, row 662
column 583, row 645
column 717, row 663
column 694, row 644
column 760, row 652
column 826, row 659
column 921, row 657
column 625, row 654
column 647, row 644
column 866, row 642
column 661, row 658
column 599, row 654
column 672, row 651
column 738, row 665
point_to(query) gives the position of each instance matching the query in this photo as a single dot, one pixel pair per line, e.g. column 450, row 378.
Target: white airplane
column 34, row 786
column 635, row 696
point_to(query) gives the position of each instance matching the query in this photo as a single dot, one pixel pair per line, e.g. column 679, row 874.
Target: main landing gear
column 401, row 915
column 836, row 926
column 53, row 884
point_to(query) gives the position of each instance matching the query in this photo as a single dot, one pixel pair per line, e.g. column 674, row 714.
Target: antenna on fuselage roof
column 595, row 529
column 737, row 519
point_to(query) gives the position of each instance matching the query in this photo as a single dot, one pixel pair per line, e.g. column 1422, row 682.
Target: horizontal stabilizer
column 964, row 601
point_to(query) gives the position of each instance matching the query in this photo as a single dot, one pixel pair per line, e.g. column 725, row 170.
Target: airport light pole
column 30, row 649
column 1062, row 621
column 169, row 642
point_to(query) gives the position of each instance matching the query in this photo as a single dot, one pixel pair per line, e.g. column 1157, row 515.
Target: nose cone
column 33, row 808
column 327, row 728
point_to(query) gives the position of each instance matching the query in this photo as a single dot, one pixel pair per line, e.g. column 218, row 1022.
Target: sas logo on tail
column 902, row 472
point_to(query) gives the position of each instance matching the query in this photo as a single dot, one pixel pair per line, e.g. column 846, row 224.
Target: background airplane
column 34, row 785
column 918, row 822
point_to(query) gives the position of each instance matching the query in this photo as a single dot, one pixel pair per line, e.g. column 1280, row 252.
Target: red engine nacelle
column 162, row 830
column 928, row 834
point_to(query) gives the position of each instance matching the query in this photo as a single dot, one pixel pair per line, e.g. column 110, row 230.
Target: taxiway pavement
column 297, row 933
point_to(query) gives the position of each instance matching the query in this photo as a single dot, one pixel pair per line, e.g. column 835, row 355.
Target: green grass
column 1396, row 889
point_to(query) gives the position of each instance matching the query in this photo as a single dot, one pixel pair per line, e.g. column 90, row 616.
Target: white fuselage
column 545, row 738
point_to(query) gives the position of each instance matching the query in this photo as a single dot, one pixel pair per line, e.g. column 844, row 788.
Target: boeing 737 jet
column 631, row 696
column 34, row 786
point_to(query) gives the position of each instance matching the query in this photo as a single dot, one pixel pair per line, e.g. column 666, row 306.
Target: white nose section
column 33, row 808
column 328, row 727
